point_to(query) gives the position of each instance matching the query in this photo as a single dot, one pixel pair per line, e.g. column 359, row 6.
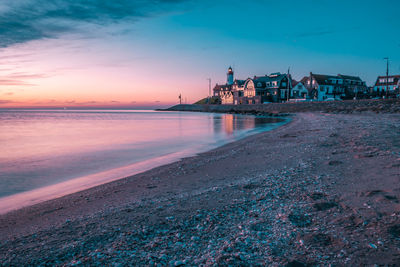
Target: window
column 283, row 84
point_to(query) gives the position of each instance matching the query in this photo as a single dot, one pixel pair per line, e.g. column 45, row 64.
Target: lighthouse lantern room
column 230, row 76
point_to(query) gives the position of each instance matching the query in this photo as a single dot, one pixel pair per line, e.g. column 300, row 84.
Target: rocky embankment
column 349, row 106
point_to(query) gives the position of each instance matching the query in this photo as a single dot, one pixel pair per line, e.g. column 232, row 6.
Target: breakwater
column 348, row 106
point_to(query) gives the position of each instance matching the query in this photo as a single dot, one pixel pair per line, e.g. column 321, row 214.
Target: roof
column 239, row 82
column 304, row 80
column 223, row 87
column 396, row 79
column 261, row 82
column 347, row 77
column 323, row 79
column 270, row 78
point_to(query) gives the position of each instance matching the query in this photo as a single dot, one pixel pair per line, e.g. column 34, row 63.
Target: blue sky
column 147, row 52
column 266, row 36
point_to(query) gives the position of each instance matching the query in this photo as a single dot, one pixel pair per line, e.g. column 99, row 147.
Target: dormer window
column 259, row 85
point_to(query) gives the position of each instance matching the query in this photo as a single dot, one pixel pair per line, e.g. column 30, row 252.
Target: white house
column 299, row 91
column 322, row 87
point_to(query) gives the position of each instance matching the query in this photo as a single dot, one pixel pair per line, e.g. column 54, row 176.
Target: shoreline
column 75, row 185
column 312, row 191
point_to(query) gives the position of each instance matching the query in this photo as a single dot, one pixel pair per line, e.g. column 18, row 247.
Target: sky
column 144, row 53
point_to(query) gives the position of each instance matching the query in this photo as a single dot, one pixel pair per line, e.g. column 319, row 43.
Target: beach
column 322, row 189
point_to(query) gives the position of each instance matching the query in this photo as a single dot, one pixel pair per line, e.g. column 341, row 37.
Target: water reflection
column 42, row 148
column 230, row 123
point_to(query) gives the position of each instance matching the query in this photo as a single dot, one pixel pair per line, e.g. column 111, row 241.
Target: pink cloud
column 3, row 102
column 14, row 82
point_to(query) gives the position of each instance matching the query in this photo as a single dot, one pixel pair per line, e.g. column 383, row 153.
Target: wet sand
column 323, row 189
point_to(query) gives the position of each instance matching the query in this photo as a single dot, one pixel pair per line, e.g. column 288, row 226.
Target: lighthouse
column 229, row 75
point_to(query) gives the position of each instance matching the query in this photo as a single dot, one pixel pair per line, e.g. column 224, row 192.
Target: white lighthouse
column 229, row 75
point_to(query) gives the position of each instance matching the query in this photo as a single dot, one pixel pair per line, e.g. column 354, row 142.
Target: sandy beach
column 323, row 189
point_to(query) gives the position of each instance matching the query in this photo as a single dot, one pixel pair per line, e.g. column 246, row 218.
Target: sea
column 50, row 153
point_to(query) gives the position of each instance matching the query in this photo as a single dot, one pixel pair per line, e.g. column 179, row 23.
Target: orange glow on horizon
column 39, row 74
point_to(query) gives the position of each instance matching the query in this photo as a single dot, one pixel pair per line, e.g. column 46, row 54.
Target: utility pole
column 180, row 99
column 209, row 90
column 387, row 76
column 288, row 88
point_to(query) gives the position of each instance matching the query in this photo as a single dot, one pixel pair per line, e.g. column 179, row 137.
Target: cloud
column 315, row 33
column 9, row 93
column 24, row 75
column 2, row 58
column 3, row 102
column 18, row 78
column 88, row 103
column 10, row 82
column 24, row 21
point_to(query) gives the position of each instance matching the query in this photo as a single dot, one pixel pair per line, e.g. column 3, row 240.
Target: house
column 299, row 90
column 269, row 88
column 393, row 84
column 238, row 91
column 353, row 86
column 322, row 87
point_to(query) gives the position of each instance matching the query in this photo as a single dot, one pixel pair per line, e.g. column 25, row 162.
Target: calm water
column 46, row 147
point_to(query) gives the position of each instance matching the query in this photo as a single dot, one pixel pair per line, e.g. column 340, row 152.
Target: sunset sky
column 136, row 53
